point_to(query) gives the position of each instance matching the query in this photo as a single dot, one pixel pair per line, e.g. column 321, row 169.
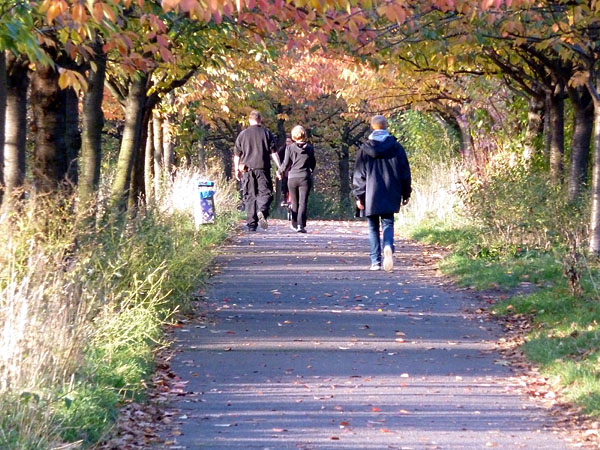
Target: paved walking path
column 301, row 347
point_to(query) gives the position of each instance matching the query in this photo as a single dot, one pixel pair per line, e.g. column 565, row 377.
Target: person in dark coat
column 382, row 183
column 254, row 148
column 300, row 162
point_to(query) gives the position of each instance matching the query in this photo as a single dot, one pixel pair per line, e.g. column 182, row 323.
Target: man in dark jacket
column 382, row 183
column 252, row 164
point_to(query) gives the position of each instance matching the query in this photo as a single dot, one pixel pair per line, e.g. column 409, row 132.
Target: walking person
column 300, row 160
column 254, row 148
column 382, row 183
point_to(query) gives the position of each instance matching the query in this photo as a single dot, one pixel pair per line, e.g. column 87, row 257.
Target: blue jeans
column 387, row 223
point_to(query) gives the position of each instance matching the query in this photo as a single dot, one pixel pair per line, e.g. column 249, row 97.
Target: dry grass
column 434, row 198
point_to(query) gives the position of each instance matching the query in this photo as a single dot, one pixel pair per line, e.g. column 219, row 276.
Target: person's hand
column 359, row 205
column 237, row 175
column 405, row 200
column 279, row 177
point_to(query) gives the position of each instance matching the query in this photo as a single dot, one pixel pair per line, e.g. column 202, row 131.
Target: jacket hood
column 381, row 149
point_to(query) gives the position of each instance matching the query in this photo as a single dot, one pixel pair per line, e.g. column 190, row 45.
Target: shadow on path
column 301, row 347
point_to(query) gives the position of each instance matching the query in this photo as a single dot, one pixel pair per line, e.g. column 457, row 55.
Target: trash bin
column 205, row 206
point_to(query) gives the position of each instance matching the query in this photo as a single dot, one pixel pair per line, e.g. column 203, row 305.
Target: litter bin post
column 204, row 212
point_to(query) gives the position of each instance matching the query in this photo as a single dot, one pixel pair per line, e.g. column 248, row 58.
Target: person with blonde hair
column 382, row 182
column 300, row 160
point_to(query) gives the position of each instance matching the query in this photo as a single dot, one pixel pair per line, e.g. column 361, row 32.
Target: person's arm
column 237, row 152
column 406, row 176
column 236, row 167
column 359, row 181
column 276, row 160
column 312, row 162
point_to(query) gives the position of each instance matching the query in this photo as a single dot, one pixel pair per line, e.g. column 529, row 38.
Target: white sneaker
column 262, row 220
column 375, row 267
column 388, row 259
column 293, row 228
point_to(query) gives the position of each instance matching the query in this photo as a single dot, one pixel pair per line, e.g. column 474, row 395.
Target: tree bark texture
column 15, row 123
column 344, row 175
column 466, row 140
column 72, row 135
column 535, row 127
column 149, row 162
column 137, row 193
column 595, row 210
column 583, row 122
column 168, row 148
column 556, row 105
column 158, row 152
column 2, row 118
column 134, row 106
column 92, row 124
column 48, row 105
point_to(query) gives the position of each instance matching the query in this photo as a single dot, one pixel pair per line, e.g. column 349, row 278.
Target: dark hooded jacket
column 299, row 159
column 382, row 176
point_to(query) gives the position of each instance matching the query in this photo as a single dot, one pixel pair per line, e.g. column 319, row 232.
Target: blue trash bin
column 205, row 211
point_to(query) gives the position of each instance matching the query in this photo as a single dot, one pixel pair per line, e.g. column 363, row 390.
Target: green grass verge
column 139, row 277
column 565, row 337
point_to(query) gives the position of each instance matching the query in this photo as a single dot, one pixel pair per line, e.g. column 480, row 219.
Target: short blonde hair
column 378, row 122
column 298, row 134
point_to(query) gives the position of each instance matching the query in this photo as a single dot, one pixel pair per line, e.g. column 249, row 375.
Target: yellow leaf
column 63, row 80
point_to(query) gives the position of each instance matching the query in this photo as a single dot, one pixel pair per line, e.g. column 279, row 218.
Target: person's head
column 378, row 122
column 299, row 134
column 255, row 118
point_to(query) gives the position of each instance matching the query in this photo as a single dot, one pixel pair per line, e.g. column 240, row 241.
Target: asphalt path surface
column 299, row 346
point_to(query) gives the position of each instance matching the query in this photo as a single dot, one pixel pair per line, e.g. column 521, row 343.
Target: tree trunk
column 158, row 152
column 202, row 153
column 344, row 174
column 93, row 122
column 72, row 135
column 595, row 212
column 2, row 118
column 168, row 148
column 583, row 122
column 48, row 103
column 466, row 140
column 16, row 124
column 134, row 109
column 149, row 162
column 535, row 127
column 556, row 105
column 137, row 193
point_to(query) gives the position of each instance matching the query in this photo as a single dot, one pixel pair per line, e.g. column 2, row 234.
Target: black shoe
column 301, row 230
column 250, row 228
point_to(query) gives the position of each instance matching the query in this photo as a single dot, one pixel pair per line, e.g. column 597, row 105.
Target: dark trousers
column 257, row 189
column 299, row 190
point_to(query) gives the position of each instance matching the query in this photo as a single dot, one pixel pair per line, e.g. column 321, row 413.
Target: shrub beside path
column 297, row 345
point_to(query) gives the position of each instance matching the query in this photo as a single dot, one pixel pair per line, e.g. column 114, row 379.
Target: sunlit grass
column 81, row 309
